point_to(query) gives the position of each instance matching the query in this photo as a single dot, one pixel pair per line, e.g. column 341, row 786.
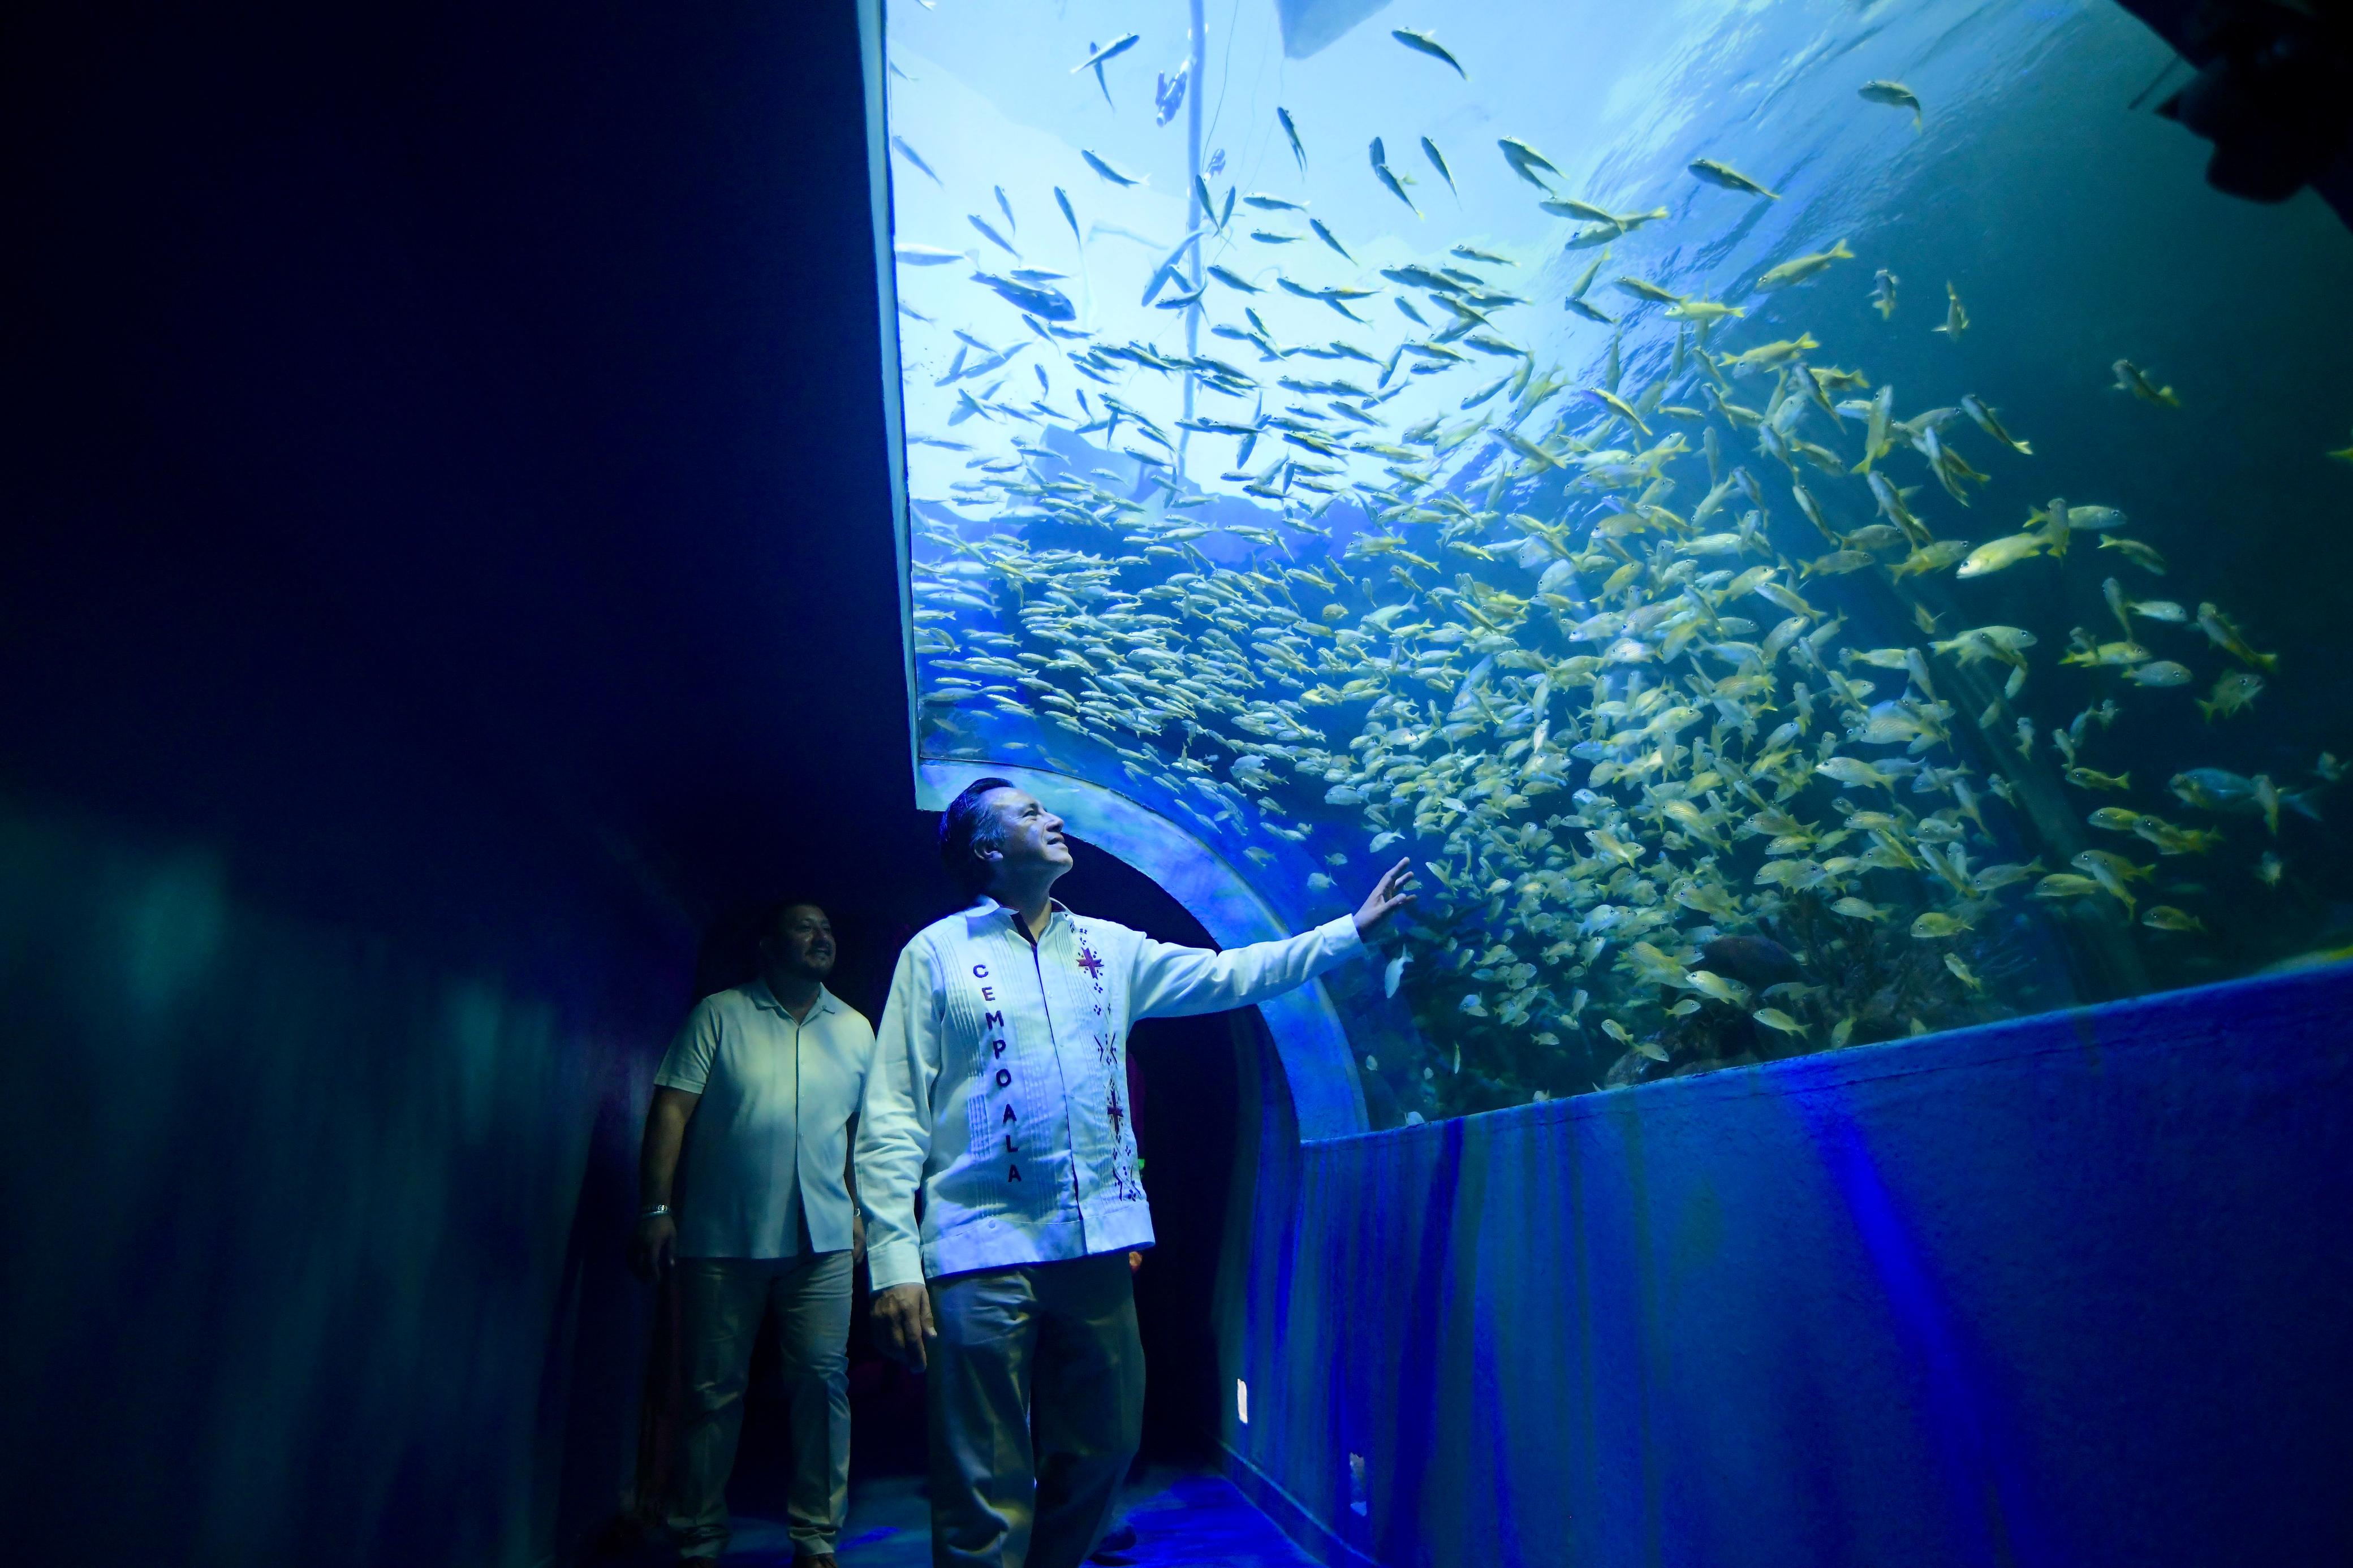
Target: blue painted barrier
column 2073, row 1289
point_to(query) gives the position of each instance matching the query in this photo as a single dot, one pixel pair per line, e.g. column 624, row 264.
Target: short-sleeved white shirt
column 770, row 1135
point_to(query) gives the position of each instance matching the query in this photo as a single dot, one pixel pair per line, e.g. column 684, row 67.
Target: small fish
column 1894, row 95
column 1956, row 319
column 2165, row 917
column 1858, row 909
column 1804, row 267
column 1526, row 160
column 2131, row 378
column 2106, row 655
column 1765, row 356
column 2141, row 555
column 1291, row 134
column 990, row 234
column 2160, row 672
column 1618, row 405
column 1437, row 162
column 1062, row 200
column 1393, row 973
column 2236, row 690
column 1717, row 988
column 2224, row 633
column 2091, row 778
column 2268, row 869
column 1328, row 237
column 1976, row 408
column 927, row 254
column 1934, row 925
column 917, row 158
column 1422, row 43
column 1730, row 178
column 1774, row 1018
column 1005, row 207
column 1106, row 170
column 1395, row 187
column 1041, row 300
column 1961, row 972
column 1643, row 288
column 1996, row 555
column 1267, row 203
column 1112, row 50
column 1883, row 293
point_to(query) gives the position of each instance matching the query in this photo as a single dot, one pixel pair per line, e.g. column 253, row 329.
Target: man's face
column 802, row 943
column 1028, row 835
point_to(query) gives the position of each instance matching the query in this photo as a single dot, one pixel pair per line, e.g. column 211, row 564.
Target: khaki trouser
column 722, row 1302
column 1049, row 1349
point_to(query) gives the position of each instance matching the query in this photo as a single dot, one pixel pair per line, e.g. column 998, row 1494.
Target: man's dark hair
column 966, row 826
column 775, row 923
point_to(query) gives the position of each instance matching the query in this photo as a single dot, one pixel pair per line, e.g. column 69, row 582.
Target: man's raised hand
column 1389, row 895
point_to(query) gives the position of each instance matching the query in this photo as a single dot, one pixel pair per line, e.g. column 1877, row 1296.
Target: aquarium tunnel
column 1818, row 533
column 1818, row 530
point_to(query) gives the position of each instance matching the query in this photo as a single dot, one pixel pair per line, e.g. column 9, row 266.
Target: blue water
column 2073, row 227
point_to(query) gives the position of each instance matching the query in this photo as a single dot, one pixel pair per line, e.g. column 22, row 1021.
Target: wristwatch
column 654, row 1212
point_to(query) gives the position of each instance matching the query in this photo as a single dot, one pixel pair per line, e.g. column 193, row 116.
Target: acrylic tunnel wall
column 1811, row 525
column 2072, row 1289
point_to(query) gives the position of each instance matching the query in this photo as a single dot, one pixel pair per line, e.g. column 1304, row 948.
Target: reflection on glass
column 1808, row 522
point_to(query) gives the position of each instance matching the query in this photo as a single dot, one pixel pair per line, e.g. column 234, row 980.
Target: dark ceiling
column 445, row 456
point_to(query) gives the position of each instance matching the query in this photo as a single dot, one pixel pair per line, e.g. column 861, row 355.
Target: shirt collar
column 760, row 994
column 984, row 909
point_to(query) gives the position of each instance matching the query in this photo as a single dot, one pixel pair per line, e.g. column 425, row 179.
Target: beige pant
column 1046, row 1351
column 724, row 1301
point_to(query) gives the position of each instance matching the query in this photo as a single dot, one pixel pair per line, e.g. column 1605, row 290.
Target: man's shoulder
column 848, row 1018
column 948, row 930
column 715, row 1005
column 1110, row 932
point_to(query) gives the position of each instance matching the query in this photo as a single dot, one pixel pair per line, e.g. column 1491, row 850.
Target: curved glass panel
column 1809, row 523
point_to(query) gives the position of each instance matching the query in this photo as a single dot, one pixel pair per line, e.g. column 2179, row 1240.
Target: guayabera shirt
column 999, row 1082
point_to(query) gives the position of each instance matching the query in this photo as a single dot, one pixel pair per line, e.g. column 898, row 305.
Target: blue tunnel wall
column 2070, row 1290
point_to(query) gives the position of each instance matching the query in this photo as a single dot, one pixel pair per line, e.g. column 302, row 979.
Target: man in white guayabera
column 751, row 1116
column 998, row 1086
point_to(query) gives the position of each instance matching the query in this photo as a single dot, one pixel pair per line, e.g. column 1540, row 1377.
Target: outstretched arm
column 1172, row 981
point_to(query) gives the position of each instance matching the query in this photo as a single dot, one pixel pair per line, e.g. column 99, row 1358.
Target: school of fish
column 1581, row 650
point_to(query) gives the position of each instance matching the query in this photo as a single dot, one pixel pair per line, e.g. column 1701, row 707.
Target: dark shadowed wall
column 445, row 568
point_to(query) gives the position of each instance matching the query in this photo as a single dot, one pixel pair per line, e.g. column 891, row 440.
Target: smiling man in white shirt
column 751, row 1120
column 999, row 1088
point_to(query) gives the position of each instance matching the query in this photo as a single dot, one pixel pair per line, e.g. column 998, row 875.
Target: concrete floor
column 1198, row 1520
